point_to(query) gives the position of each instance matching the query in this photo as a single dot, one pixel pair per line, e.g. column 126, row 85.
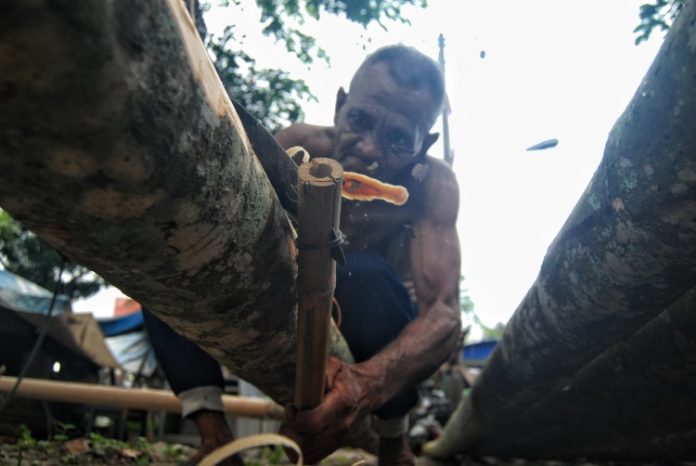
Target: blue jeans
column 184, row 364
column 375, row 308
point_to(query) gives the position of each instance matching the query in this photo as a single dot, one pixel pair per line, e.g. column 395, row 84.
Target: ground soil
column 99, row 451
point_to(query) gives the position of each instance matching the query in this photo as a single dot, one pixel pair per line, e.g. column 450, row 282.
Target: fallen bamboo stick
column 133, row 398
column 319, row 211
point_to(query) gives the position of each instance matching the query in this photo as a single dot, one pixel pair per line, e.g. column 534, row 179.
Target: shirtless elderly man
column 399, row 287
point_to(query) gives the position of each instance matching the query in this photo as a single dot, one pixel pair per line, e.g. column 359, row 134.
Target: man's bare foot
column 394, row 451
column 214, row 431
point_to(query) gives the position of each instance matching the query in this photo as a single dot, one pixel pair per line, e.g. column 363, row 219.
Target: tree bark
column 598, row 359
column 119, row 146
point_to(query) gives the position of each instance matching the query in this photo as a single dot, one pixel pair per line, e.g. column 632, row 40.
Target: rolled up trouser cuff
column 392, row 428
column 196, row 399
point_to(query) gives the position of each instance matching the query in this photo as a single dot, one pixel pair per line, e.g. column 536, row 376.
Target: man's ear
column 341, row 97
column 428, row 141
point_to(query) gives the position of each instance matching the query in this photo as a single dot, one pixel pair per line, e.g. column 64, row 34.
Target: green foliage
column 100, row 451
column 105, row 446
column 267, row 456
column 63, row 431
column 271, row 95
column 466, row 305
column 26, row 441
column 493, row 333
column 275, row 15
column 658, row 15
column 25, row 254
column 275, row 455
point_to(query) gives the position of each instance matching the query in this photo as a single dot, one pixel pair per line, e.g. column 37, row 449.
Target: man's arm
column 355, row 390
column 316, row 139
column 435, row 264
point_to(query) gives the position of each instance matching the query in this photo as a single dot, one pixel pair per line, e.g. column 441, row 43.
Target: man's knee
column 399, row 405
column 375, row 304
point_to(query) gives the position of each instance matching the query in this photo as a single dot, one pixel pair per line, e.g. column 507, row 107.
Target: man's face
column 379, row 126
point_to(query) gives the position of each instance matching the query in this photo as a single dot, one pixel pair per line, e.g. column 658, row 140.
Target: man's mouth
column 356, row 164
column 372, row 167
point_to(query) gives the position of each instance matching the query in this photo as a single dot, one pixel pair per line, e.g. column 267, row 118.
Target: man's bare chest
column 373, row 224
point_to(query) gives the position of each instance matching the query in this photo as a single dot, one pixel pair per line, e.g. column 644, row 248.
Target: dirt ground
column 99, row 451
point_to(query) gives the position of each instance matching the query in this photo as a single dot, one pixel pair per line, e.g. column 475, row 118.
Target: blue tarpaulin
column 29, row 296
column 128, row 341
column 122, row 324
column 476, row 354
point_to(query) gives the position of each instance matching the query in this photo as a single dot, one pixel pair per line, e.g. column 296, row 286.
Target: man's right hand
column 351, row 394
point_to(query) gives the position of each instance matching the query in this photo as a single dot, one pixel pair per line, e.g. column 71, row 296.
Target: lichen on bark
column 111, row 150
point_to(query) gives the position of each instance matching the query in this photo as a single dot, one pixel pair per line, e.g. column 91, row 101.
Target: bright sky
column 552, row 69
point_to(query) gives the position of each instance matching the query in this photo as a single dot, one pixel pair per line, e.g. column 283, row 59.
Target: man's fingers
column 290, row 411
column 321, row 430
column 315, row 420
column 316, row 449
column 289, row 452
column 333, row 367
column 309, row 422
column 292, row 454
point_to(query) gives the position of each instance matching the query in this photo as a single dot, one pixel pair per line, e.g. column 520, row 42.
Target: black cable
column 39, row 340
column 336, row 240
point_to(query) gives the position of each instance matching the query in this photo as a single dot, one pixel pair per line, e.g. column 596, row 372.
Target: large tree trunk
column 598, row 360
column 119, row 146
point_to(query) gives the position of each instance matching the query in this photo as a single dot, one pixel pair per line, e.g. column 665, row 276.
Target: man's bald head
column 411, row 71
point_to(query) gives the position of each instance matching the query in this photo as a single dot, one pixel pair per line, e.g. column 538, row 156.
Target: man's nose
column 368, row 148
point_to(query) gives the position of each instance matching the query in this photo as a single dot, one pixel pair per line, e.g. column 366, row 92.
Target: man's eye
column 399, row 139
column 359, row 121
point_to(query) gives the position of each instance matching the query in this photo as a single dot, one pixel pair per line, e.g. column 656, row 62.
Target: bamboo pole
column 448, row 155
column 319, row 210
column 133, row 398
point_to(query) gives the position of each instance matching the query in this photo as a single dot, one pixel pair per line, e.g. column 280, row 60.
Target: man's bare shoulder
column 318, row 140
column 441, row 191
